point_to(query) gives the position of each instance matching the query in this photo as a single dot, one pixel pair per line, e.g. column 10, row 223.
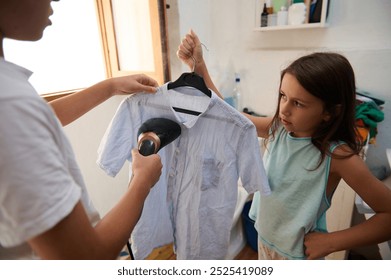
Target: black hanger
column 191, row 80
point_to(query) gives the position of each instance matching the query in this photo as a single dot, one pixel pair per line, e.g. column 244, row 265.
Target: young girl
column 311, row 144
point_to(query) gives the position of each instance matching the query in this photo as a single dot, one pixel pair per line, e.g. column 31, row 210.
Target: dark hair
column 329, row 77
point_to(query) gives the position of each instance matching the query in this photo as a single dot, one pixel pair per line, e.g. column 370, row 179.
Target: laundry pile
column 368, row 114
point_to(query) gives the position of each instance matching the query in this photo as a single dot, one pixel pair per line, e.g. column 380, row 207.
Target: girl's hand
column 133, row 83
column 317, row 245
column 190, row 49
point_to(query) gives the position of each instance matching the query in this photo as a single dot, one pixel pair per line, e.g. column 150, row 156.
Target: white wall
column 85, row 135
column 359, row 29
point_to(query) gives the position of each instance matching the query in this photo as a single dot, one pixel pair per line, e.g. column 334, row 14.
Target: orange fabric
column 363, row 133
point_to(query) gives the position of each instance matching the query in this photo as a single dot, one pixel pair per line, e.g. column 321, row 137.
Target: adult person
column 45, row 210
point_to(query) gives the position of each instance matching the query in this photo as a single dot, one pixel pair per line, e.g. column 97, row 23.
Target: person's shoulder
column 14, row 82
column 9, row 69
column 341, row 149
column 344, row 157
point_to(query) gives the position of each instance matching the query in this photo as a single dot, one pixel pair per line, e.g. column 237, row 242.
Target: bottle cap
column 237, row 77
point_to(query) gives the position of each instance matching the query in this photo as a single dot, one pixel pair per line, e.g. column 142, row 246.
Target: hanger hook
column 205, row 46
column 194, row 60
column 194, row 64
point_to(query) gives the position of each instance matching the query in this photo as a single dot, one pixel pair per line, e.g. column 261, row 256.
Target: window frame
column 158, row 17
column 159, row 38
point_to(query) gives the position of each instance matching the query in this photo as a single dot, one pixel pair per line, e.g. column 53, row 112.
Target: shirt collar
column 25, row 72
column 188, row 101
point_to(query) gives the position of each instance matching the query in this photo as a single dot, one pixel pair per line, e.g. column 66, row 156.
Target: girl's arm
column 261, row 124
column 191, row 49
column 190, row 52
column 74, row 237
column 73, row 106
column 377, row 229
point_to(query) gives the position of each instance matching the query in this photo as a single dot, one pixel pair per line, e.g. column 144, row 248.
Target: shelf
column 289, row 27
column 321, row 24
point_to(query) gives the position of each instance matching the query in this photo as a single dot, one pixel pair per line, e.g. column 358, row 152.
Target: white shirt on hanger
column 194, row 201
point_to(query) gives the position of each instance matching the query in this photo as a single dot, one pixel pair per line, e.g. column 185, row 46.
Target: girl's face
column 24, row 19
column 300, row 112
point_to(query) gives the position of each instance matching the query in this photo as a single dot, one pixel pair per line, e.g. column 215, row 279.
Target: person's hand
column 190, row 49
column 132, row 84
column 316, row 245
column 146, row 168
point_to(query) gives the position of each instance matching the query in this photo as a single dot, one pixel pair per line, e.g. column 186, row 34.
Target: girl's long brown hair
column 329, row 77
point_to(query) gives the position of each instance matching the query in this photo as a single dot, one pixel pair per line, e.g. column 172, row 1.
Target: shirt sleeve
column 36, row 189
column 249, row 161
column 120, row 138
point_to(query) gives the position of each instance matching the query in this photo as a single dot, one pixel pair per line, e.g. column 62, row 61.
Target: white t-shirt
column 40, row 181
column 194, row 201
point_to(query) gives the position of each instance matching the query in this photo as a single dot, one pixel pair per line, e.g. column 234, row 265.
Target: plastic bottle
column 230, row 100
column 297, row 12
column 282, row 16
column 237, row 101
column 264, row 16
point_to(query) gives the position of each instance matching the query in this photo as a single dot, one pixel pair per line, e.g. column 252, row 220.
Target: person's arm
column 73, row 106
column 75, row 238
column 190, row 48
column 375, row 230
column 261, row 124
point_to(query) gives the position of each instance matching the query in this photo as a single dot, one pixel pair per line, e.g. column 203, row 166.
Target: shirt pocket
column 211, row 172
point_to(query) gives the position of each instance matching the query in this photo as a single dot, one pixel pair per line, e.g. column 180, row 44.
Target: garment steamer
column 153, row 135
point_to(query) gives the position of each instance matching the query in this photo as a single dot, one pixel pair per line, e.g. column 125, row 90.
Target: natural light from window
column 69, row 56
column 129, row 16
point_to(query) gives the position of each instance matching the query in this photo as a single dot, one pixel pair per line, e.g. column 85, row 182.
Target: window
column 90, row 40
column 134, row 37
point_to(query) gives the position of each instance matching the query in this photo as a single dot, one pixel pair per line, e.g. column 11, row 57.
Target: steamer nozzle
column 155, row 134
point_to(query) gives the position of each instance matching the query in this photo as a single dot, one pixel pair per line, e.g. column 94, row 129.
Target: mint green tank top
column 297, row 203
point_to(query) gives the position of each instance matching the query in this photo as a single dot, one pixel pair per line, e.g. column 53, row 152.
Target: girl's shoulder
column 340, row 149
column 343, row 157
